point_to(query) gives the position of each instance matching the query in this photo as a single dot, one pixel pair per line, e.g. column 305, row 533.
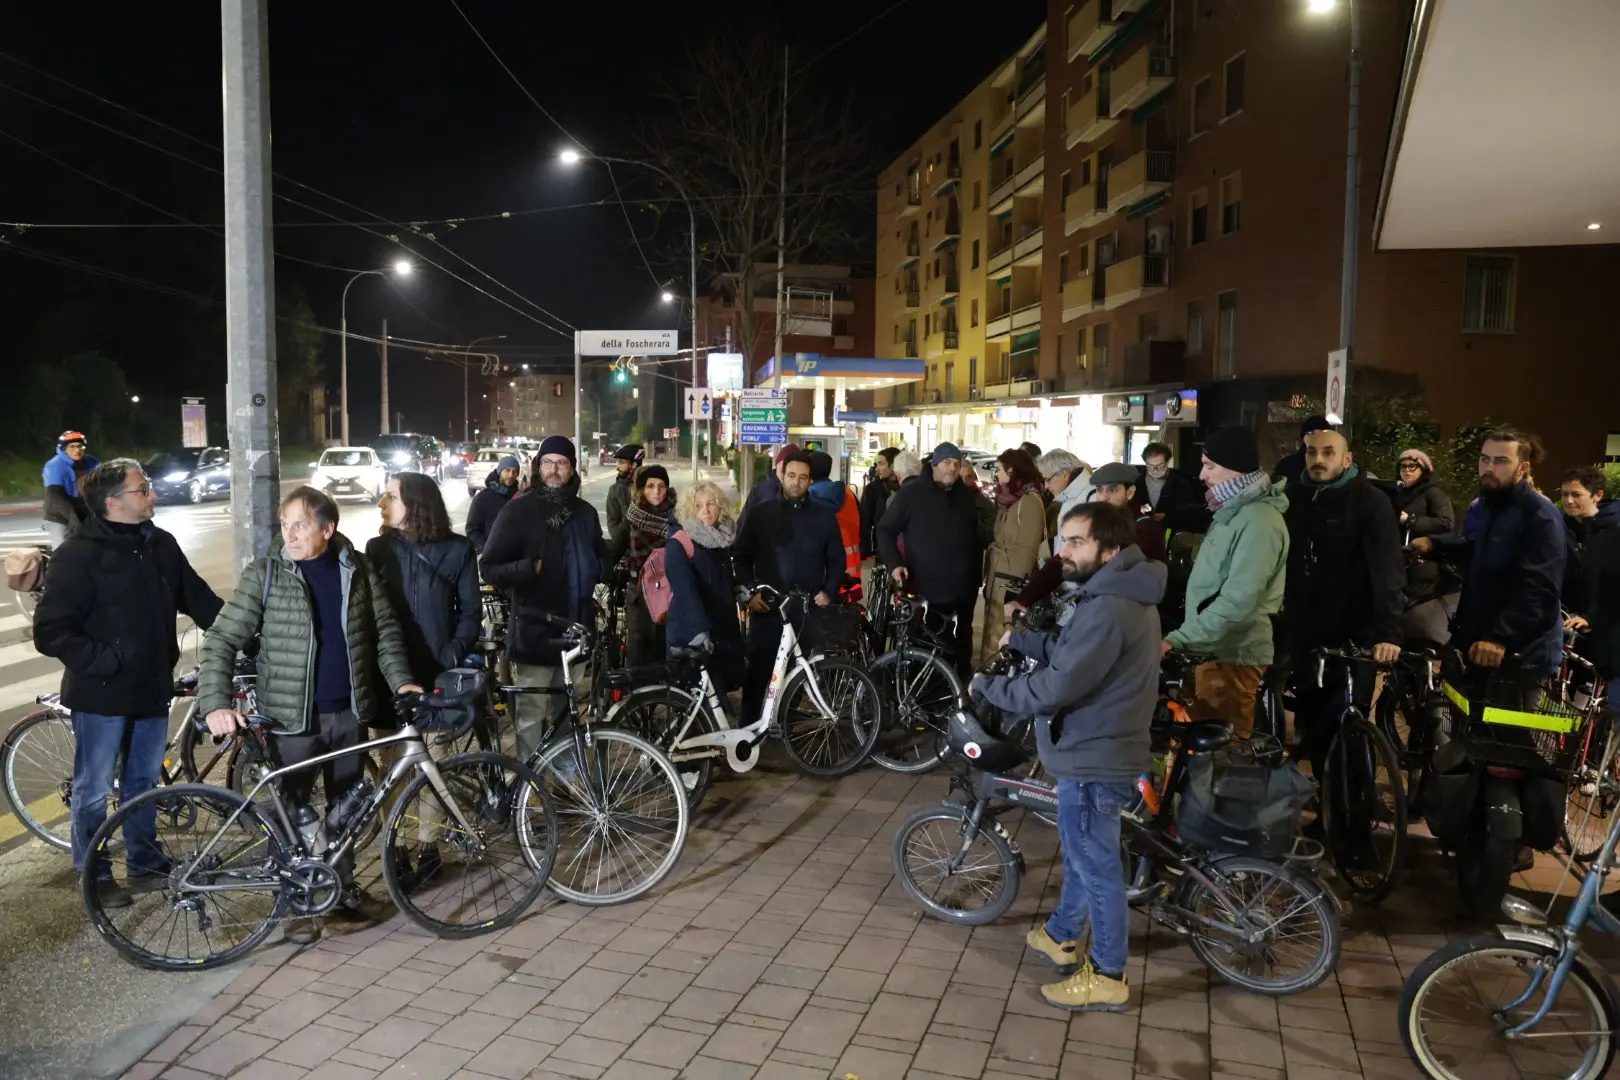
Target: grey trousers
column 533, row 714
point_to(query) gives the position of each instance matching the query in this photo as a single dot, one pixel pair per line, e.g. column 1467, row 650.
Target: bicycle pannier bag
column 1242, row 808
column 24, row 569
column 655, row 591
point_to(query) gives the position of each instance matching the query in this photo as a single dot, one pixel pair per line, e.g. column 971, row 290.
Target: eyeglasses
column 1414, row 466
column 144, row 489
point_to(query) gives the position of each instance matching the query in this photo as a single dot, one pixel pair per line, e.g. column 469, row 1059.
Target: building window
column 1488, row 299
column 1202, row 108
column 975, row 265
column 1099, row 346
column 1195, row 329
column 950, row 380
column 1063, row 187
column 1233, row 103
column 1063, row 117
column 978, row 136
column 973, row 314
column 1226, row 336
column 899, row 186
column 1231, row 204
column 1063, row 270
column 973, row 369
column 1197, row 217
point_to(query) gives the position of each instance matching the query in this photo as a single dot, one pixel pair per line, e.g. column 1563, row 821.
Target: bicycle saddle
column 686, row 652
column 1204, row 736
column 186, row 684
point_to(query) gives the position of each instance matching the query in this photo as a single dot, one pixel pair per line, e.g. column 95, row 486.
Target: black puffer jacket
column 108, row 613
column 943, row 537
column 1345, row 572
column 486, row 507
column 875, row 498
column 1427, row 508
column 433, row 588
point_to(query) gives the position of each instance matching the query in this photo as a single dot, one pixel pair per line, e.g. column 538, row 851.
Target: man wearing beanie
column 499, row 487
column 1237, row 581
column 1345, row 579
column 931, row 539
column 1292, row 468
column 546, row 552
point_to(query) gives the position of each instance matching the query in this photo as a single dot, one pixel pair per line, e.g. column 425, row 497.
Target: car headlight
column 175, row 477
column 402, row 458
column 320, row 478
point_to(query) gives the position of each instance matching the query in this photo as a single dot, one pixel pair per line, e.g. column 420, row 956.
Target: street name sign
column 625, row 343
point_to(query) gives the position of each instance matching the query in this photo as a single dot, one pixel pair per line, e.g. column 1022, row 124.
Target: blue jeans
column 1093, row 871
column 97, row 741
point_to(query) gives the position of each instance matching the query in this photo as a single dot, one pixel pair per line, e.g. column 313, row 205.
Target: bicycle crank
column 313, row 888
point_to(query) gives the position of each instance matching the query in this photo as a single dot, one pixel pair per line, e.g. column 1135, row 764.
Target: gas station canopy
column 811, row 371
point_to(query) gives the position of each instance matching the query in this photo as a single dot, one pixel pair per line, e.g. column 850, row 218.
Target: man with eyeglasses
column 109, row 616
column 1163, row 490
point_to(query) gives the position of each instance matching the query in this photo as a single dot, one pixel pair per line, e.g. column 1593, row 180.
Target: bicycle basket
column 455, row 701
column 837, row 628
column 1508, row 718
column 1234, row 806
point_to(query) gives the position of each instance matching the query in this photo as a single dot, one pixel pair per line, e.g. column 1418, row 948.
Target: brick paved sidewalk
column 784, row 950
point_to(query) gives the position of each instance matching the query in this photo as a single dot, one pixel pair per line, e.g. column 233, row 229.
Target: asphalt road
column 71, row 1007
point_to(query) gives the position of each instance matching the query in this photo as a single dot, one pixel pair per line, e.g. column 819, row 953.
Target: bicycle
column 1546, row 1008
column 1222, row 903
column 920, row 687
column 810, row 703
column 1363, row 800
column 489, row 810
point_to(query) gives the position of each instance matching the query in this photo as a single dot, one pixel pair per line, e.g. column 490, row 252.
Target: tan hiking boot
column 1087, row 991
column 1063, row 955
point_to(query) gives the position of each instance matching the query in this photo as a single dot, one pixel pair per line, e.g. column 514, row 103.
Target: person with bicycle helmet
column 627, row 459
column 64, row 506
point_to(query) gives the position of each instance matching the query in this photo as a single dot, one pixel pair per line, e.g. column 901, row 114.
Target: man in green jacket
column 324, row 624
column 1237, row 581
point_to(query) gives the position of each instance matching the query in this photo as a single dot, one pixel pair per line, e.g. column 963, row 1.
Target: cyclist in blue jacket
column 64, row 507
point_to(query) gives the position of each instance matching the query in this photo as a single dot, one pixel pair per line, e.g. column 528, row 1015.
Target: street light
column 466, row 363
column 1352, row 198
column 134, row 399
column 401, row 267
column 666, row 297
column 573, row 156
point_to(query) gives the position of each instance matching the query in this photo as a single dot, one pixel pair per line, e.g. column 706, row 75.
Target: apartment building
column 533, row 406
column 1160, row 240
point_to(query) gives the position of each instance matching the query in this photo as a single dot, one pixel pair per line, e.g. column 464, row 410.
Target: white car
column 350, row 472
column 478, row 472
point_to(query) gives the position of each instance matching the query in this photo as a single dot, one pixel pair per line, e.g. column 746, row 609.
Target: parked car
column 350, row 472
column 486, row 459
column 409, row 453
column 190, row 474
column 458, row 456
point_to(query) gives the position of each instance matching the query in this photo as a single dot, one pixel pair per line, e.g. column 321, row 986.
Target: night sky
column 398, row 109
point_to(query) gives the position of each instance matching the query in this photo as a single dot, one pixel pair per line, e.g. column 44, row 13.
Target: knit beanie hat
column 1233, row 448
column 651, row 472
column 1418, row 456
column 561, row 445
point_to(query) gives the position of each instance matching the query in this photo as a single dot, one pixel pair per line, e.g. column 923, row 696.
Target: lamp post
column 1352, row 197
column 572, row 156
column 401, row 267
column 466, row 362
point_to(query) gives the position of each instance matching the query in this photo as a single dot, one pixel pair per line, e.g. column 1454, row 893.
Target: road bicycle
column 1525, row 999
column 1265, row 925
column 826, row 711
column 920, row 686
column 224, row 869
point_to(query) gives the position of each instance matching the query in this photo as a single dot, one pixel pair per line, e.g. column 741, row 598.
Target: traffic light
column 621, row 376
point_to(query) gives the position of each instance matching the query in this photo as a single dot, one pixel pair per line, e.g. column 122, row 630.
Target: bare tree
column 719, row 136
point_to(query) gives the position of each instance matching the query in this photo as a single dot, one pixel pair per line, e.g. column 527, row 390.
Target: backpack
column 655, row 590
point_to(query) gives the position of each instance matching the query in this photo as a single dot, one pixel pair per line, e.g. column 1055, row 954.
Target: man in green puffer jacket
column 324, row 623
column 1237, row 581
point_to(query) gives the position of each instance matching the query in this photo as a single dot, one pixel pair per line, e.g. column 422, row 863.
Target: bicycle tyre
column 1316, row 902
column 1357, row 737
column 896, row 714
column 223, row 801
column 190, row 740
column 631, row 714
column 551, row 765
column 954, row 817
column 517, row 777
column 866, row 731
column 1417, row 988
column 28, row 804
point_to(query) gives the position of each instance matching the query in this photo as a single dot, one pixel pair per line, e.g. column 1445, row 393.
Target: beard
column 1079, row 573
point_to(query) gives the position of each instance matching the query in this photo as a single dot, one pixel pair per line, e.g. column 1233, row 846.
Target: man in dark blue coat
column 546, row 551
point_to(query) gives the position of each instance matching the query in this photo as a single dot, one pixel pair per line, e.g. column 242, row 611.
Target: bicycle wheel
column 621, row 814
column 1364, row 810
column 920, row 692
column 38, row 769
column 170, row 927
column 488, row 876
column 969, row 888
column 829, row 724
column 1592, row 794
column 658, row 714
column 1271, row 930
column 1459, row 1004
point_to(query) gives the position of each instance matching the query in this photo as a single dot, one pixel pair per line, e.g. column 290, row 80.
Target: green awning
column 1126, row 33
column 946, row 242
column 1005, row 277
column 947, row 301
column 1147, row 206
column 1005, row 141
column 1026, row 342
column 1004, row 215
column 1157, row 102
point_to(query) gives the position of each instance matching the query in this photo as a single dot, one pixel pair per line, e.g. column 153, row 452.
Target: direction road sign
column 764, row 416
column 855, row 417
column 764, row 397
column 699, row 403
column 764, row 429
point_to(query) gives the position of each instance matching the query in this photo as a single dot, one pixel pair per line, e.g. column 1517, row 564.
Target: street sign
column 625, row 343
column 763, row 416
column 672, row 433
column 725, row 410
column 699, row 403
column 762, row 398
column 725, row 371
column 855, row 417
column 1338, row 365
column 193, row 423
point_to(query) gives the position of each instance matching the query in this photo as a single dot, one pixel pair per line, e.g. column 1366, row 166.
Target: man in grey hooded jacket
column 1093, row 696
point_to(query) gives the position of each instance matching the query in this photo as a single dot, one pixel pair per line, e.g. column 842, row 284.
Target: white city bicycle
column 827, row 712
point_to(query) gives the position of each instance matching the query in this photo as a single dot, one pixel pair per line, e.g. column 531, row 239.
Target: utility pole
column 385, row 377
column 250, row 302
column 1352, row 213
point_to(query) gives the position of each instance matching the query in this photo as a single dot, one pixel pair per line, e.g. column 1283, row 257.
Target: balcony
column 1150, row 362
column 1026, row 318
column 913, row 300
column 913, row 200
column 1000, row 261
column 1138, row 178
column 1127, row 7
column 913, row 249
column 939, row 343
column 1077, row 298
column 1030, row 180
column 1143, row 76
column 999, row 328
column 1135, row 279
column 1089, row 119
column 951, row 285
column 1087, row 207
column 1003, row 128
column 1031, row 108
column 911, row 350
column 1089, row 30
column 1027, row 251
column 1002, row 193
column 953, row 176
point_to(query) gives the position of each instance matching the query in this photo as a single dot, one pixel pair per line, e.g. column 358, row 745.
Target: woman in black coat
column 703, row 592
column 647, row 523
column 1422, row 508
column 1421, row 505
column 431, row 578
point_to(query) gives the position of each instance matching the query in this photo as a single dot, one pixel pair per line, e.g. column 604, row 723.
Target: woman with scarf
column 647, row 523
column 1020, row 538
column 702, row 600
column 1422, row 508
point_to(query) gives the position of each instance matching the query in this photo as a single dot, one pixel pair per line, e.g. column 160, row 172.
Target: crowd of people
column 1313, row 552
